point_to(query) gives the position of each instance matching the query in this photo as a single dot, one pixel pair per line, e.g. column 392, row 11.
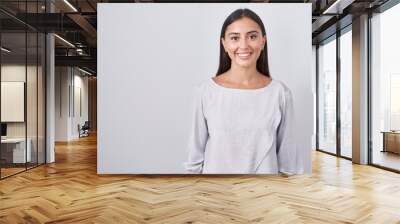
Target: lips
column 244, row 55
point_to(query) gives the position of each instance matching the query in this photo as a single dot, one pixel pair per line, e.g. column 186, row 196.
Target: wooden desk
column 391, row 141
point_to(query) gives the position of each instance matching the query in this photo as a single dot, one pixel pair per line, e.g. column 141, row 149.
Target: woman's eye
column 253, row 37
column 234, row 38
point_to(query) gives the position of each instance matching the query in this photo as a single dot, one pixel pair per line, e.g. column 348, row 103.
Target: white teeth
column 244, row 54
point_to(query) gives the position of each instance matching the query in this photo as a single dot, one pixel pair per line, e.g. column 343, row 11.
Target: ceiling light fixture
column 84, row 71
column 64, row 40
column 337, row 7
column 70, row 5
column 5, row 50
column 331, row 7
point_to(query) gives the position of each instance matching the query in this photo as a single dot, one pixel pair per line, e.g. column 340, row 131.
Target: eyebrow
column 233, row 33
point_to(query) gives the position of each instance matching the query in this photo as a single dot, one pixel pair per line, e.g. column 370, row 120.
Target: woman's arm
column 289, row 159
column 198, row 136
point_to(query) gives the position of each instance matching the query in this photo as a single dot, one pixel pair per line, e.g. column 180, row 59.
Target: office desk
column 13, row 150
column 391, row 141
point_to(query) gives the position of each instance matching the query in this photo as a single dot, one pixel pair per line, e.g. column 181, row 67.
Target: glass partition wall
column 334, row 75
column 22, row 88
column 345, row 62
column 327, row 95
column 334, row 102
column 13, row 89
column 385, row 89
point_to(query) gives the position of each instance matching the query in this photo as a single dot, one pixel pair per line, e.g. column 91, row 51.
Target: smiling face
column 244, row 42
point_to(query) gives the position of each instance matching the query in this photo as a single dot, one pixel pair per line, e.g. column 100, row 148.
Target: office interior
column 48, row 80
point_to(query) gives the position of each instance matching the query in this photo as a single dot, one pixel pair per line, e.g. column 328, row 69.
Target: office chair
column 84, row 130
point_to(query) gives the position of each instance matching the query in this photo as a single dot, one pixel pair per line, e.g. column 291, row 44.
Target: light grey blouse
column 242, row 131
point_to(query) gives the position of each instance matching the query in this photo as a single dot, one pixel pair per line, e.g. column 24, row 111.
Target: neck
column 244, row 75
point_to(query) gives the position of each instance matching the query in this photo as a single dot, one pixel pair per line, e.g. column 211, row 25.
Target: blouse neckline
column 239, row 89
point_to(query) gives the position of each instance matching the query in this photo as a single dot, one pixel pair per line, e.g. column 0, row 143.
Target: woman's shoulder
column 202, row 87
column 284, row 93
column 281, row 86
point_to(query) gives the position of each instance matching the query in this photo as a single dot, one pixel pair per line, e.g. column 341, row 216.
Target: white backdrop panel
column 150, row 56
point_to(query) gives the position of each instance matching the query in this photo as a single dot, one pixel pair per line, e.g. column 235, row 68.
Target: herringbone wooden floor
column 70, row 191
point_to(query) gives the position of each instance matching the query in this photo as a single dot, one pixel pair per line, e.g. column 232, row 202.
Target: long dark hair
column 224, row 60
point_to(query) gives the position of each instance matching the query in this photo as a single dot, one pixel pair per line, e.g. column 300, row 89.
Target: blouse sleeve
column 198, row 136
column 289, row 159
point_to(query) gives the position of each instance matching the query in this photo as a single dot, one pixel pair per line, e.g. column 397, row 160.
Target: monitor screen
column 3, row 129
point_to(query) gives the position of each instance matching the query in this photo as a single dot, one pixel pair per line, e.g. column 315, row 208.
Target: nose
column 243, row 43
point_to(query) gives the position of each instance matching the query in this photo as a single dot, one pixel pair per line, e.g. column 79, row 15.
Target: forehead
column 243, row 25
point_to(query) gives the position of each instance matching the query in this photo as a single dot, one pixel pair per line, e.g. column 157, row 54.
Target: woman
column 243, row 119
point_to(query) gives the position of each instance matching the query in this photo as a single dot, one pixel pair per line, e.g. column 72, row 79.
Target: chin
column 244, row 64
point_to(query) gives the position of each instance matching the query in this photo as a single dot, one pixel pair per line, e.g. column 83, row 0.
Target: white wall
column 150, row 56
column 314, row 92
column 68, row 81
column 61, row 103
column 80, row 84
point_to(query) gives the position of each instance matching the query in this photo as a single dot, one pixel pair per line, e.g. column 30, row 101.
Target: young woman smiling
column 243, row 120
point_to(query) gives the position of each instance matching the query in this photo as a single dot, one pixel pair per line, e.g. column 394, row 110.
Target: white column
column 50, row 92
column 360, row 90
column 50, row 100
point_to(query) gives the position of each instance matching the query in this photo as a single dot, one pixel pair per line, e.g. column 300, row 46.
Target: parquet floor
column 70, row 191
column 10, row 171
